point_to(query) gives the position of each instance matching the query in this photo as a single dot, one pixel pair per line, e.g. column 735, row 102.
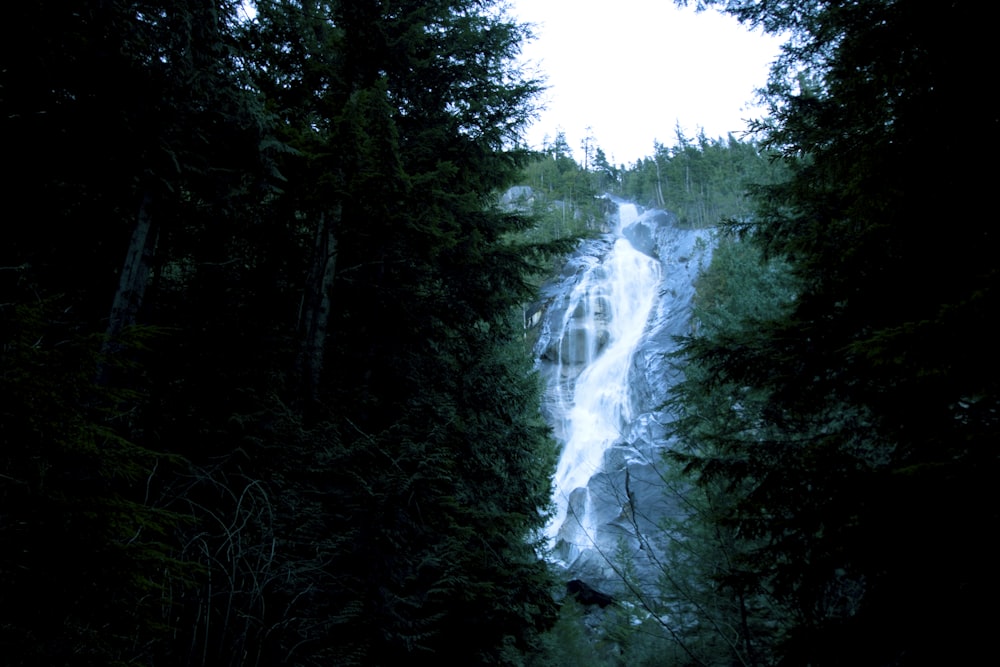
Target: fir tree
column 862, row 478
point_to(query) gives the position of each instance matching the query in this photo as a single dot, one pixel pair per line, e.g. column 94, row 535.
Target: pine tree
column 864, row 473
column 263, row 367
column 432, row 469
column 127, row 123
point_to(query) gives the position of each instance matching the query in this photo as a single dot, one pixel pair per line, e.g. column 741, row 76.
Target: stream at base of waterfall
column 609, row 324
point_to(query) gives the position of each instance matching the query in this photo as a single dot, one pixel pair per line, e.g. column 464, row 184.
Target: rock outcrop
column 625, row 497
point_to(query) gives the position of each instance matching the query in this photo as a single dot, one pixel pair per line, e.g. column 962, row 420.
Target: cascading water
column 606, row 315
column 610, row 323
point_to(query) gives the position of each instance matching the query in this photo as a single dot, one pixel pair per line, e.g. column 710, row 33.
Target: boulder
column 586, row 594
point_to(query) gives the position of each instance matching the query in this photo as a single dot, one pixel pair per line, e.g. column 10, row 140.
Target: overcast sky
column 632, row 70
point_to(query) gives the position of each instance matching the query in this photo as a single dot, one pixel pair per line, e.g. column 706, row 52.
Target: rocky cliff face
column 616, row 496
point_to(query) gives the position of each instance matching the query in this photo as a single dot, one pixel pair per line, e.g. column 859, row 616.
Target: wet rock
column 643, row 233
column 620, row 507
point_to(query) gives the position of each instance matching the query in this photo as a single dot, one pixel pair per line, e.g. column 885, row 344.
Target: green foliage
column 724, row 614
column 853, row 425
column 75, row 531
column 739, row 288
column 565, row 197
column 580, row 637
column 313, row 437
column 702, row 181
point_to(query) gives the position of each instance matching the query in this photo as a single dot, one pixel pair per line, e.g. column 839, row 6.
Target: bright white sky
column 632, row 70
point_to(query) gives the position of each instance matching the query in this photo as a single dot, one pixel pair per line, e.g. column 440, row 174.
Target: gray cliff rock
column 625, row 499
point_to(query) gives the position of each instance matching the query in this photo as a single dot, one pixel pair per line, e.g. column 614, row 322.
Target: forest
column 266, row 394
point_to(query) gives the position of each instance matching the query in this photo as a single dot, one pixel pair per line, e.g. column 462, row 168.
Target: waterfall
column 605, row 316
column 610, row 323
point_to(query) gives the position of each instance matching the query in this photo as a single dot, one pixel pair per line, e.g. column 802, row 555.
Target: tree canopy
column 266, row 399
column 859, row 423
column 265, row 394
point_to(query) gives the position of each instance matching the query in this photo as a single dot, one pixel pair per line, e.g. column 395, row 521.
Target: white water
column 607, row 314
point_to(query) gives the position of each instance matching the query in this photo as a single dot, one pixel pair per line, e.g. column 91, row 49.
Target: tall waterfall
column 609, row 327
column 607, row 314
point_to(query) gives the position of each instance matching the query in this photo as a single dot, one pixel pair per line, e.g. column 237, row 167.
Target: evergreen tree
column 566, row 199
column 862, row 482
column 703, row 182
column 262, row 367
column 435, row 465
column 732, row 613
column 140, row 127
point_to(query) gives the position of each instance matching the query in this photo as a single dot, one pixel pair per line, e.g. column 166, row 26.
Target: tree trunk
column 659, row 189
column 132, row 282
column 314, row 314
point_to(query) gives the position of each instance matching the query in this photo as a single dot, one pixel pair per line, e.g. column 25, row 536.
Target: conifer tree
column 263, row 368
column 136, row 124
column 434, row 460
column 861, row 481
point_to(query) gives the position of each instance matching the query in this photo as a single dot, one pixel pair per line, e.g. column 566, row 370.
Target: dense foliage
column 702, row 181
column 265, row 399
column 565, row 197
column 847, row 425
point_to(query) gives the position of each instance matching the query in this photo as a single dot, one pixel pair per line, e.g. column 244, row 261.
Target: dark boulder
column 587, row 595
